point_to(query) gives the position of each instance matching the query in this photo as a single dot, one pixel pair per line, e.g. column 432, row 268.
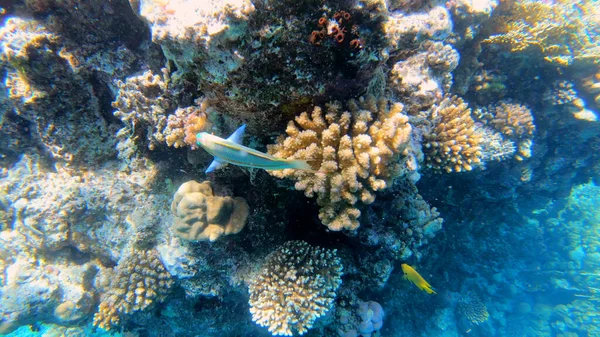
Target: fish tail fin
column 300, row 164
column 429, row 289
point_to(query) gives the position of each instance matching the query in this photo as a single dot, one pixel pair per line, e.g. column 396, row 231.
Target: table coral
column 559, row 31
column 138, row 281
column 200, row 215
column 296, row 285
column 356, row 152
column 452, row 143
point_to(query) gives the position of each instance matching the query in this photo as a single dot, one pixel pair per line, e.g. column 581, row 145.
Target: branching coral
column 514, row 121
column 356, row 152
column 138, row 281
column 559, row 30
column 183, row 126
column 199, row 215
column 452, row 143
column 296, row 285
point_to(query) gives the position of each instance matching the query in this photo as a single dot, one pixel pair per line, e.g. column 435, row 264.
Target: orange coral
column 183, row 126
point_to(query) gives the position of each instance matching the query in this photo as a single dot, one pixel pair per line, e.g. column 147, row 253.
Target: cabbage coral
column 356, row 153
column 295, row 286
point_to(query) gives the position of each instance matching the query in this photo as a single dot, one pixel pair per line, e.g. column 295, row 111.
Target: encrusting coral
column 142, row 104
column 452, row 143
column 183, row 126
column 138, row 281
column 296, row 285
column 200, row 215
column 356, row 153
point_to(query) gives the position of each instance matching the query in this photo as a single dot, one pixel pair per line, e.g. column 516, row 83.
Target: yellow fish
column 411, row 274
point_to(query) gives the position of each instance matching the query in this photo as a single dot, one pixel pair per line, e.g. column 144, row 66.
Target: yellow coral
column 453, row 143
column 513, row 120
column 558, row 30
column 137, row 282
column 296, row 285
column 199, row 215
column 356, row 152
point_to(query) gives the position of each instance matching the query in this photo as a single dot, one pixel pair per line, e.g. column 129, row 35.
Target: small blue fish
column 231, row 151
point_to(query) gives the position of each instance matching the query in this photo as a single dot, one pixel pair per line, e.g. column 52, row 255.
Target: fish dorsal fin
column 215, row 165
column 238, row 136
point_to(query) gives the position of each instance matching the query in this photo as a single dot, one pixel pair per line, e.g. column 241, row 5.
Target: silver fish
column 231, row 151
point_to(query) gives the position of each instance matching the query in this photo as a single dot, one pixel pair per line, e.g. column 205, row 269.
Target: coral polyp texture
column 356, row 153
column 296, row 285
column 138, row 281
column 453, row 143
column 200, row 215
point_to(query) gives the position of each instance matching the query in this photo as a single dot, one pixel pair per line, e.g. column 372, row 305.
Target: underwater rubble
column 458, row 137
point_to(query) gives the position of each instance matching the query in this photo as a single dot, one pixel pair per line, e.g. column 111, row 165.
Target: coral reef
column 50, row 96
column 355, row 152
column 143, row 103
column 138, row 281
column 200, row 215
column 453, row 143
column 514, row 121
column 365, row 319
column 295, row 286
column 557, row 31
column 423, row 78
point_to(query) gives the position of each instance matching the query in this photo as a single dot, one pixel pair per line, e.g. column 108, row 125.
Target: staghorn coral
column 471, row 308
column 138, row 281
column 296, row 285
column 560, row 32
column 452, row 143
column 199, row 215
column 356, row 152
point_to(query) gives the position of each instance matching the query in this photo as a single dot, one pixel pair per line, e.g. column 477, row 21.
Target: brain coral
column 453, row 143
column 199, row 215
column 356, row 152
column 295, row 286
